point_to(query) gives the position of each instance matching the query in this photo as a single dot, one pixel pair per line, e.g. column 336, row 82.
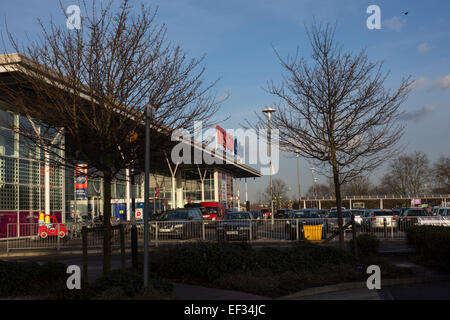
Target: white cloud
column 418, row 83
column 444, row 82
column 418, row 115
column 423, row 48
column 395, row 23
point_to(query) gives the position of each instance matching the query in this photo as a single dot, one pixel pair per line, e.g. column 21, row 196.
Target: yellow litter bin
column 313, row 233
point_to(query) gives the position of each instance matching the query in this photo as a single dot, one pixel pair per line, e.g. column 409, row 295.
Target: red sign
column 224, row 140
column 156, row 192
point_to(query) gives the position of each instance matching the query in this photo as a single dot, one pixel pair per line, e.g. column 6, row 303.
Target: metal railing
column 28, row 235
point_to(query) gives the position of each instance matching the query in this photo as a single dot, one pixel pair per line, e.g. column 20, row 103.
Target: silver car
column 377, row 217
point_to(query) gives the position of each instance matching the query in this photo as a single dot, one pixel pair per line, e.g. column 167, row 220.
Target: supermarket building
column 29, row 186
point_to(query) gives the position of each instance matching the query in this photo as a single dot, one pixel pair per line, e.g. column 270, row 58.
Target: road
column 420, row 291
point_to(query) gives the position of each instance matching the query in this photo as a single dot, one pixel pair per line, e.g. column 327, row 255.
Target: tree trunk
column 337, row 192
column 106, row 221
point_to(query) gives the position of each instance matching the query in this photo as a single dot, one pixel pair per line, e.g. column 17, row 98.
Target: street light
column 269, row 111
column 148, row 116
column 313, row 181
column 298, row 178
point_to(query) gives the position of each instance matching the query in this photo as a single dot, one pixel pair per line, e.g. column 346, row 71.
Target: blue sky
column 237, row 39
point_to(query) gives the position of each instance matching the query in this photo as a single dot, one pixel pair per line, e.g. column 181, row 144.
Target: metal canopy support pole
column 238, row 195
column 202, row 180
column 246, row 194
column 172, row 172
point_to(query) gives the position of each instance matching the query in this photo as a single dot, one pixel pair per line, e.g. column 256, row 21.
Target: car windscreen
column 383, row 213
column 416, row 213
column 296, row 214
column 177, row 215
column 209, row 210
column 236, row 216
column 334, row 214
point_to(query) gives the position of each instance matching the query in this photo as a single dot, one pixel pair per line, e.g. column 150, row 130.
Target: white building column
column 173, row 173
column 216, row 185
column 238, row 195
column 179, row 190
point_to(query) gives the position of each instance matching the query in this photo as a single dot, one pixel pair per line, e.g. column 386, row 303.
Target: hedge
column 432, row 243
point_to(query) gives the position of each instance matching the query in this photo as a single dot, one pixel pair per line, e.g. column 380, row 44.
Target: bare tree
column 336, row 111
column 408, row 174
column 441, row 174
column 280, row 192
column 91, row 86
column 358, row 186
column 320, row 190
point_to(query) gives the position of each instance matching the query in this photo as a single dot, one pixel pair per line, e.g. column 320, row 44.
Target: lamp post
column 269, row 111
column 298, row 178
column 148, row 115
column 313, row 181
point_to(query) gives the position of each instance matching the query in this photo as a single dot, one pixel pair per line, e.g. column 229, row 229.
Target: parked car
column 257, row 215
column 183, row 223
column 409, row 217
column 333, row 225
column 324, row 213
column 377, row 217
column 444, row 212
column 237, row 226
column 282, row 213
column 213, row 210
column 299, row 218
column 266, row 213
column 359, row 215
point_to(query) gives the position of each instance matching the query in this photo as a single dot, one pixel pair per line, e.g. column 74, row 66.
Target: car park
column 332, row 224
column 182, row 223
column 237, row 226
column 444, row 212
column 410, row 217
column 297, row 219
column 282, row 213
column 359, row 215
column 379, row 218
column 266, row 213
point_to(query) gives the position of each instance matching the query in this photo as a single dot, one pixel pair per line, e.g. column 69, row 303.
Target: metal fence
column 28, row 235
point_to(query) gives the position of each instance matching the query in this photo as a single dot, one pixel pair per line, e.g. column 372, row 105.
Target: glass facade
column 22, row 193
column 22, row 172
